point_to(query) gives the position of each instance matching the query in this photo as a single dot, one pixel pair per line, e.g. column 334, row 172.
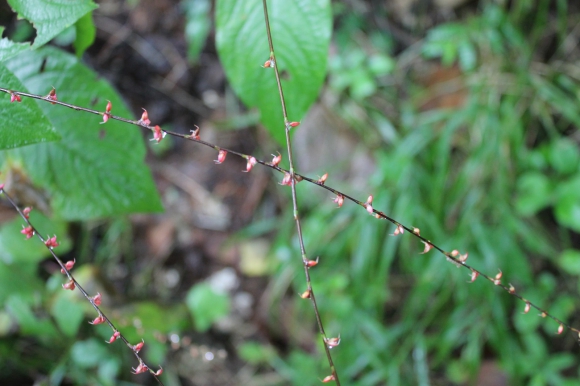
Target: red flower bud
column 98, row 320
column 251, row 162
column 276, row 160
column 195, row 133
column 138, row 346
column 328, row 378
column 28, row 231
column 52, row 95
column 368, row 205
column 474, row 275
column 221, row 156
column 26, row 211
column 306, row 294
column 158, row 134
column 332, row 342
column 51, row 242
column 109, row 107
column 97, row 299
column 312, row 263
column 15, row 97
column 144, row 118
column 159, row 372
column 339, row 199
column 140, row 369
column 269, row 63
column 287, row 180
column 293, row 124
column 69, row 285
column 427, row 247
column 114, row 337
column 322, row 179
column 68, row 265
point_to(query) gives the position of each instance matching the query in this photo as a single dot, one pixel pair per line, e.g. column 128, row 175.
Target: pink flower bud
column 251, row 162
column 28, row 231
column 158, row 134
column 98, row 320
column 454, row 253
column 15, row 97
column 497, row 280
column 322, row 179
column 399, row 231
column 144, row 118
column 138, row 346
column 159, row 372
column 140, row 369
column 328, row 378
column 560, row 329
column 339, row 199
column 332, row 342
column 269, row 63
column 427, row 247
column 52, row 95
column 195, row 133
column 109, row 107
column 474, row 275
column 293, row 124
column 26, row 211
column 306, row 294
column 287, row 180
column 276, row 160
column 69, row 285
column 312, row 263
column 512, row 289
column 51, row 242
column 97, row 299
column 68, row 265
column 114, row 337
column 106, row 117
column 221, row 157
column 527, row 307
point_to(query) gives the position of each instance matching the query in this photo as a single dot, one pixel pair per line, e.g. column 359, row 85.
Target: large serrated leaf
column 95, row 170
column 25, row 123
column 50, row 17
column 301, row 31
column 9, row 48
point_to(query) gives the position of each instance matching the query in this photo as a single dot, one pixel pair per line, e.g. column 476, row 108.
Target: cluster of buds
column 251, row 162
column 15, row 98
column 276, row 160
column 287, row 180
column 52, row 96
column 107, row 113
column 339, row 200
column 158, row 134
column 68, row 265
column 144, row 118
column 51, row 242
column 141, row 368
column 28, row 231
column 399, row 231
column 221, row 156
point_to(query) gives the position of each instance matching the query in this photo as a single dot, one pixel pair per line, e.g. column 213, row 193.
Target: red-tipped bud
column 560, row 329
column 332, row 342
column 474, row 275
column 140, row 369
column 512, row 289
column 138, row 346
column 28, row 231
column 527, row 307
column 68, row 265
column 322, row 179
column 106, row 117
column 97, row 299
column 427, row 247
column 159, row 372
column 98, row 320
column 293, row 124
column 26, row 211
column 269, row 63
column 144, row 118
column 306, row 294
column 109, row 107
column 328, row 378
column 221, row 157
column 51, row 242
column 287, row 180
column 69, row 285
column 15, row 98
column 195, row 133
column 158, row 134
column 114, row 337
column 52, row 95
column 339, row 200
column 251, row 162
column 312, row 263
column 276, row 160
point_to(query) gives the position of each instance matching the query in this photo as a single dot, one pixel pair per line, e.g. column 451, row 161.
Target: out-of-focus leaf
column 569, row 261
column 206, row 306
column 86, row 32
column 50, row 17
column 301, row 34
column 533, row 193
column 67, row 312
column 29, row 323
column 8, row 48
column 95, row 170
column 198, row 23
column 25, row 123
column 567, row 208
column 564, row 155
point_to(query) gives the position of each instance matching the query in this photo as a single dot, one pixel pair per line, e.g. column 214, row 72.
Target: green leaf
column 8, row 48
column 95, row 170
column 29, row 323
column 534, row 193
column 85, row 34
column 206, row 306
column 50, row 17
column 27, row 123
column 67, row 312
column 197, row 16
column 301, row 32
column 567, row 208
column 569, row 261
column 564, row 156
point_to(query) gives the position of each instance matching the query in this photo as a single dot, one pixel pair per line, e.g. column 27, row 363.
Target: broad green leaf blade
column 25, row 123
column 301, row 32
column 8, row 48
column 206, row 306
column 95, row 170
column 86, row 33
column 198, row 23
column 50, row 17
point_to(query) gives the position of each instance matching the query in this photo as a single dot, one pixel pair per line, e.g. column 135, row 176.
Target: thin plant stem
column 287, row 127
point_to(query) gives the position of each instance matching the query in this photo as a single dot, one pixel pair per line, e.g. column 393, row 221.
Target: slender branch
column 305, row 261
column 51, row 243
column 452, row 256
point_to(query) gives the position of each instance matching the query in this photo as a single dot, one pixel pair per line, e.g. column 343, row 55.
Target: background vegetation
column 459, row 116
